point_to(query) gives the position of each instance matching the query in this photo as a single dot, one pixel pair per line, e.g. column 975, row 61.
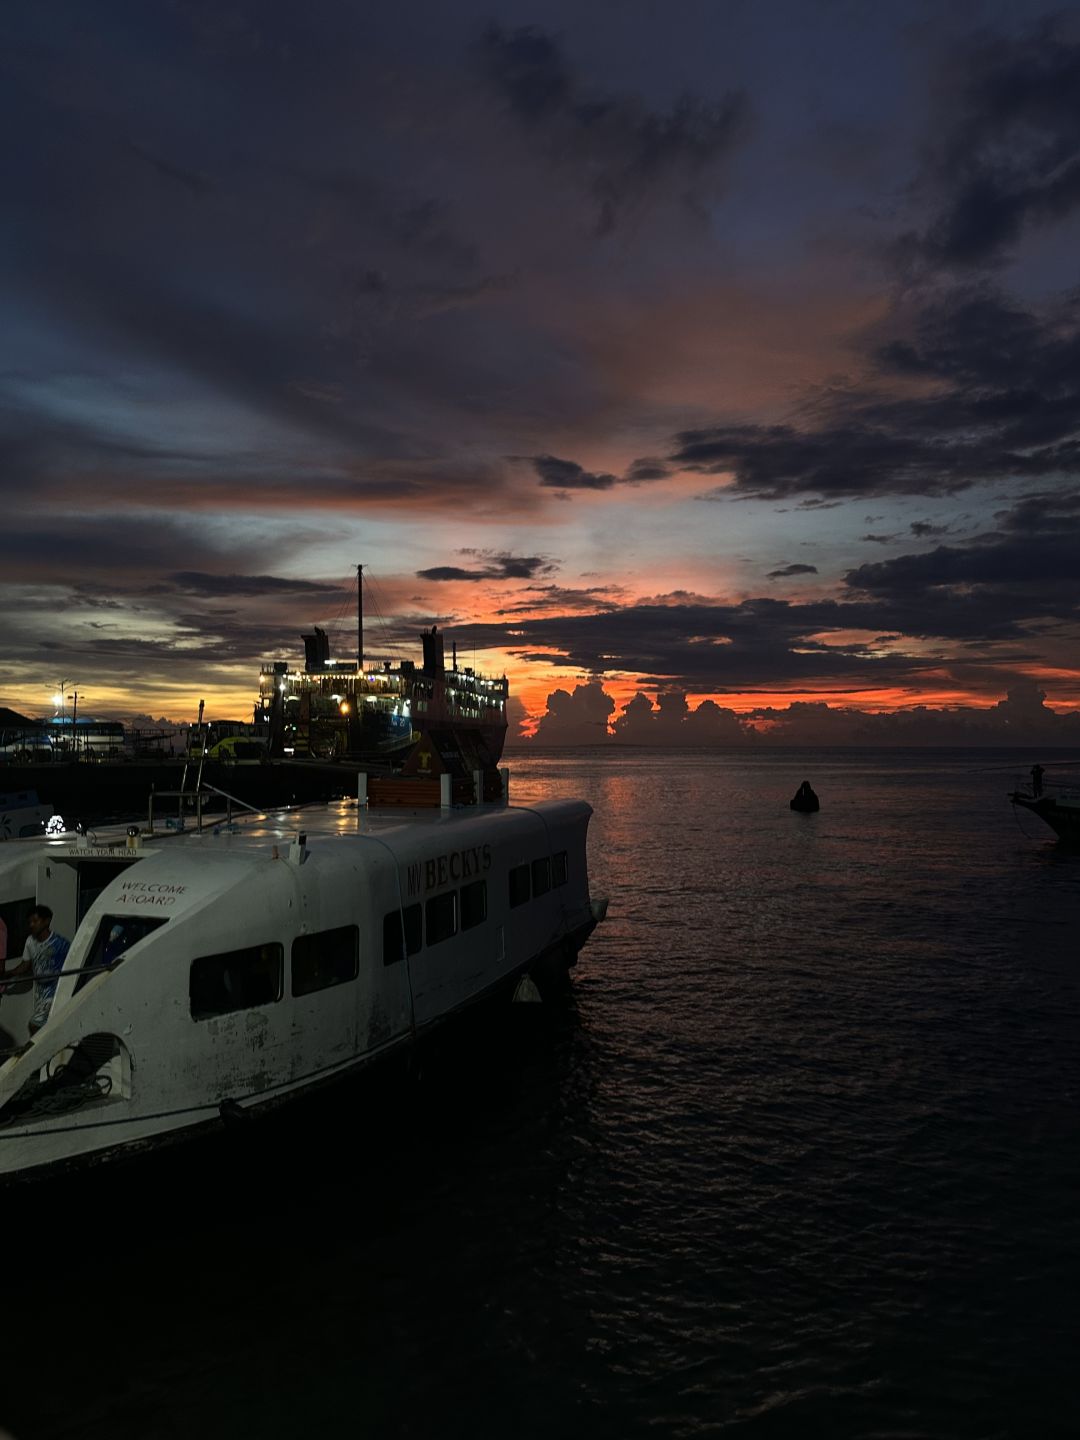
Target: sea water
column 798, row 1154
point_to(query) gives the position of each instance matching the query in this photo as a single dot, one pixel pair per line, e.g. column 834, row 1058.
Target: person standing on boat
column 1037, row 773
column 43, row 956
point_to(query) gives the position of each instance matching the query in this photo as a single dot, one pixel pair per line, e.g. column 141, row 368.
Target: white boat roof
column 256, row 834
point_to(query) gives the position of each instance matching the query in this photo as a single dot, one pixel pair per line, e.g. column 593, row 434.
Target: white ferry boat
column 225, row 970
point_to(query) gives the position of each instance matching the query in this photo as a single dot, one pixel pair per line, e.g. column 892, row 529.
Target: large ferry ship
column 345, row 709
column 313, row 729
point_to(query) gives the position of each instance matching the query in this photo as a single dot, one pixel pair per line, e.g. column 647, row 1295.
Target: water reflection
column 798, row 1154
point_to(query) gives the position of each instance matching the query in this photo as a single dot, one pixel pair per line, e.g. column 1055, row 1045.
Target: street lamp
column 60, row 699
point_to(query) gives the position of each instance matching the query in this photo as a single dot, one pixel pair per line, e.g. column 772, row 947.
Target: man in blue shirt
column 43, row 955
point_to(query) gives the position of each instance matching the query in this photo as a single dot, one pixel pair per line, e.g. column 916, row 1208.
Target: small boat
column 805, row 799
column 1060, row 808
column 222, row 970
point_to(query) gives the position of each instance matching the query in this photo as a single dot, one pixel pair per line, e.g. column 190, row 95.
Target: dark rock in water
column 805, row 799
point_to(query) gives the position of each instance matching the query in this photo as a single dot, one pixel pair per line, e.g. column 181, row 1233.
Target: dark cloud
column 619, row 149
column 777, row 462
column 61, row 460
column 245, row 356
column 923, row 529
column 709, row 647
column 1002, row 403
column 494, row 567
column 564, row 475
column 559, row 599
column 1029, row 566
column 978, row 606
column 222, row 586
column 646, row 469
column 450, row 572
column 879, row 539
column 1007, row 154
column 568, row 475
column 787, row 570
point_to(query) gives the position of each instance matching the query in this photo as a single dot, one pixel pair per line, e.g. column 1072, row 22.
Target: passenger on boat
column 1037, row 773
column 116, row 944
column 43, row 956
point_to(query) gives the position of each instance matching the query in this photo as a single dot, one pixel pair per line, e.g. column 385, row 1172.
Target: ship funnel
column 434, row 655
column 316, row 650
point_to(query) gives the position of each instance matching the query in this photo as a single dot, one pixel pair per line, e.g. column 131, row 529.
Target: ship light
column 55, row 825
column 344, row 707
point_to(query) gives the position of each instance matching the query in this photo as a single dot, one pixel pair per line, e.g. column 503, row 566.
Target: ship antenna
column 360, row 619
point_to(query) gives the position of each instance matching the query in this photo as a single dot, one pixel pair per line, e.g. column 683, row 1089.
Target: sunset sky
column 718, row 350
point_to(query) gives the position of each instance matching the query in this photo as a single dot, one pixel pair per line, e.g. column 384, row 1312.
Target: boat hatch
column 116, row 935
column 70, row 886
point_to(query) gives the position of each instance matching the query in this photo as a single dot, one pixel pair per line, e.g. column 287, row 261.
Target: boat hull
column 1062, row 817
column 28, row 1156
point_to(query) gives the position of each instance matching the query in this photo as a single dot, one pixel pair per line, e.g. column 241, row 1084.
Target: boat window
column 116, row 934
column 94, row 877
column 520, row 890
column 441, row 917
column 237, row 980
column 559, row 868
column 396, row 943
column 473, row 904
column 329, row 957
column 541, row 876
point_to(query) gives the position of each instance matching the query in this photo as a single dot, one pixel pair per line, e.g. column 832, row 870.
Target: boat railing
column 1050, row 789
column 204, row 792
column 28, row 980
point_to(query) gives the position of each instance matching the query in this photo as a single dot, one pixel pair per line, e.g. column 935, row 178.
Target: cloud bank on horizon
column 651, row 358
column 589, row 716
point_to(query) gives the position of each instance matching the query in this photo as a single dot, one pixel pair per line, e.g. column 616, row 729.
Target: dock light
column 344, row 707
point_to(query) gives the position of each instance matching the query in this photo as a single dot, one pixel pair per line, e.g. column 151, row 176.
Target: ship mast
column 360, row 619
